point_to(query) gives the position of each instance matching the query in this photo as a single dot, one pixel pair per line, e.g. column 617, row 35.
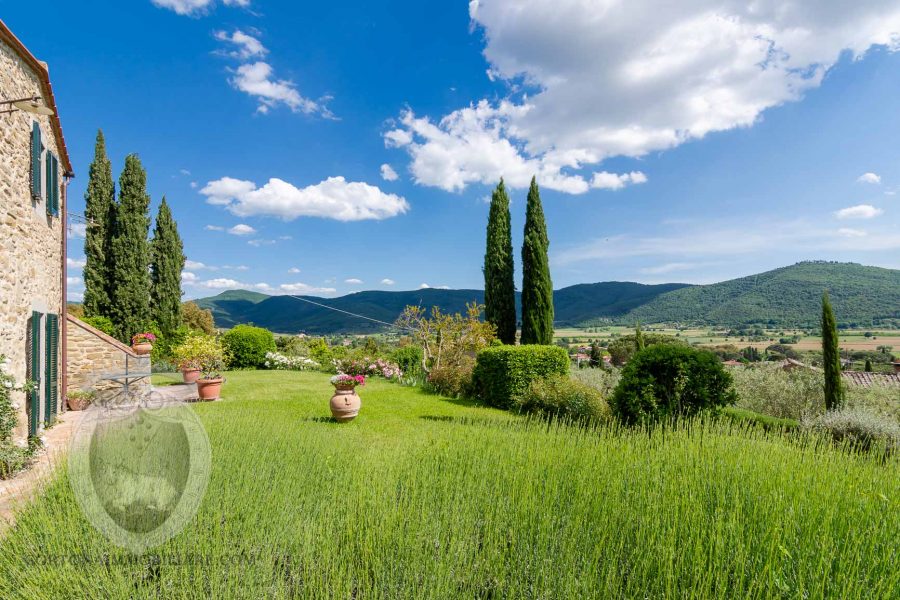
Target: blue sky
column 691, row 143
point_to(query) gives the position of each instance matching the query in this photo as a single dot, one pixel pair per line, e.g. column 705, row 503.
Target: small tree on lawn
column 130, row 273
column 198, row 319
column 831, row 357
column 446, row 340
column 537, row 287
column 499, row 285
column 166, row 263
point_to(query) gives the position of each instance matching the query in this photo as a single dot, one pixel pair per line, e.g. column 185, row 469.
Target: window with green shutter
column 36, row 148
column 34, row 372
column 52, row 184
column 51, row 367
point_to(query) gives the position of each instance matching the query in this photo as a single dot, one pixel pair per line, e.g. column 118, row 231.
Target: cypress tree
column 166, row 263
column 639, row 338
column 499, row 285
column 100, row 206
column 831, row 357
column 537, row 288
column 868, row 367
column 130, row 249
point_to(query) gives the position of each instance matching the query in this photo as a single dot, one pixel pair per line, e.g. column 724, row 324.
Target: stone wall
column 31, row 263
column 93, row 356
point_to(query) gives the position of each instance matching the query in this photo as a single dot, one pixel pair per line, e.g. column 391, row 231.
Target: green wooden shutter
column 50, row 368
column 34, row 373
column 36, row 149
column 48, row 164
column 55, row 186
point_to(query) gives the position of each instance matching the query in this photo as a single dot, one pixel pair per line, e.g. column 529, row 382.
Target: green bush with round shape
column 670, row 380
column 561, row 396
column 503, row 373
column 246, row 346
column 104, row 324
column 409, row 359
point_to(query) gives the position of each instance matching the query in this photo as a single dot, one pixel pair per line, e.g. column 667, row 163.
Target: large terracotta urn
column 142, row 349
column 190, row 375
column 345, row 404
column 208, row 389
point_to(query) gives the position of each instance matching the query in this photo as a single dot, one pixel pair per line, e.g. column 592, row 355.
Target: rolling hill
column 785, row 297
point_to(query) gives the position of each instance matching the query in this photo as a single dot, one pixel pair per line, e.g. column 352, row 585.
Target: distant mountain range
column 786, row 297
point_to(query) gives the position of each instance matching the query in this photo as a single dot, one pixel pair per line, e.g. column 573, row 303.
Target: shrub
column 409, row 359
column 602, row 380
column 744, row 416
column 770, row 390
column 504, row 372
column 670, row 380
column 247, row 346
column 104, row 324
column 283, row 362
column 859, row 428
column 454, row 381
column 562, row 396
column 622, row 349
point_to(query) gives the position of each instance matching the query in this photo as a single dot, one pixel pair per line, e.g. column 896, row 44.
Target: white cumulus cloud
column 196, row 7
column 73, row 281
column 246, row 46
column 353, row 281
column 293, row 270
column 388, row 173
column 869, row 178
column 612, row 181
column 387, row 281
column 75, row 263
column 214, row 228
column 241, row 229
column 860, row 211
column 257, row 80
column 334, row 198
column 593, row 80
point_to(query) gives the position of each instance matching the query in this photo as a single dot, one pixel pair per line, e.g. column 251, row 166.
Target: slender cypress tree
column 639, row 338
column 166, row 263
column 537, row 287
column 499, row 285
column 100, row 206
column 130, row 251
column 831, row 357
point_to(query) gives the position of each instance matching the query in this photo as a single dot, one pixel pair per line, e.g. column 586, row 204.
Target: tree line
column 130, row 278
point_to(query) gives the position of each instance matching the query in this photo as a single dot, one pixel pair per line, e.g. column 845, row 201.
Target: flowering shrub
column 367, row 366
column 344, row 380
column 12, row 457
column 283, row 362
column 143, row 338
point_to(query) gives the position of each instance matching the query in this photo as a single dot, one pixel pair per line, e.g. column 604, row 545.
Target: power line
column 347, row 312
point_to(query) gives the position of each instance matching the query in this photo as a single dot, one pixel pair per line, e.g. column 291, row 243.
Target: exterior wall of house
column 93, row 356
column 31, row 241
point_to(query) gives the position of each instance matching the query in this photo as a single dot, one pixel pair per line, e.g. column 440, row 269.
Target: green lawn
column 424, row 497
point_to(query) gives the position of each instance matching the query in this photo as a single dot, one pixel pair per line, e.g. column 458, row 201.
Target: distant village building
column 34, row 170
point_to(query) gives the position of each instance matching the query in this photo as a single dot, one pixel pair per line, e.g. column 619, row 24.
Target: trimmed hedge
column 503, row 373
column 246, row 346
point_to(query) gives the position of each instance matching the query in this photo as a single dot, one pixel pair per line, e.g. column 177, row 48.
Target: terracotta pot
column 78, row 403
column 190, row 375
column 142, row 349
column 208, row 389
column 345, row 404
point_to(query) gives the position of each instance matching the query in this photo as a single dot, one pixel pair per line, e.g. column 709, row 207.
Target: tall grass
column 422, row 497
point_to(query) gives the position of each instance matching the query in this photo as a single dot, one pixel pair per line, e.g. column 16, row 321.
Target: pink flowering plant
column 142, row 338
column 342, row 380
column 369, row 367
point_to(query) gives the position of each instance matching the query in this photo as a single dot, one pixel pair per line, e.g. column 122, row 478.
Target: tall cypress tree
column 831, row 357
column 166, row 263
column 131, row 255
column 100, row 206
column 537, row 288
column 499, row 285
column 639, row 338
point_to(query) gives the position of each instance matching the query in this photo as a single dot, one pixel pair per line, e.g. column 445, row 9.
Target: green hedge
column 246, row 346
column 503, row 373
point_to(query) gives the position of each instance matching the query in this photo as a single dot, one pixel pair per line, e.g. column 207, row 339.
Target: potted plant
column 345, row 403
column 142, row 343
column 80, row 399
column 187, row 355
column 211, row 362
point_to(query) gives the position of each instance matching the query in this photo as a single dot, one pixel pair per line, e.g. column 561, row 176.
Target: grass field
column 424, row 497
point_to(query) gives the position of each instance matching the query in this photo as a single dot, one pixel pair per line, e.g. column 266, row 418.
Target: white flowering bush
column 12, row 457
column 283, row 362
